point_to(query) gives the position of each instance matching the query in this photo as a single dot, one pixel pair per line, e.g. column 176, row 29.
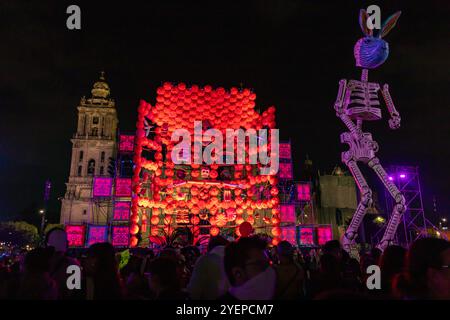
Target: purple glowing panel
column 306, row 236
column 285, row 150
column 402, row 176
column 122, row 210
column 285, row 171
column 324, row 234
column 287, row 213
column 102, row 187
column 120, row 236
column 123, row 187
column 288, row 234
column 126, row 143
column 97, row 234
column 303, row 192
column 75, row 235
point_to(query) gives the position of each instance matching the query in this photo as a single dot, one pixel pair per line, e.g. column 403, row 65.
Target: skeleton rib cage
column 362, row 100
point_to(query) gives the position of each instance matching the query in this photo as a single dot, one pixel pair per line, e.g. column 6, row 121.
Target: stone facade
column 93, row 145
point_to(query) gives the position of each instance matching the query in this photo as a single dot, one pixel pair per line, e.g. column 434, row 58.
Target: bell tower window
column 81, row 156
column 95, row 120
column 80, row 169
column 91, row 167
column 102, row 156
column 101, row 170
column 94, row 131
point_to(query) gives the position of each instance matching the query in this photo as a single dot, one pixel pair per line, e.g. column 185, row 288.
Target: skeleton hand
column 394, row 122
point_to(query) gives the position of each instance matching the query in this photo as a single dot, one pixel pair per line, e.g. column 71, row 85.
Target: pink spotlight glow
column 390, row 178
column 403, row 176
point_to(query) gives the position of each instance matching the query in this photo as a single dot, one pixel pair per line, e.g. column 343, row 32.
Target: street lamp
column 42, row 212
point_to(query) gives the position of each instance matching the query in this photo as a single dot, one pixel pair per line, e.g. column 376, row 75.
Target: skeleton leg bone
column 364, row 203
column 399, row 207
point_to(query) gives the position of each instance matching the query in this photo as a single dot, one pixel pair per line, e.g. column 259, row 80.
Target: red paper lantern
column 154, row 231
column 154, row 220
column 275, row 220
column 195, row 220
column 276, row 231
column 134, row 218
column 214, row 231
column 221, row 219
column 134, row 229
column 274, row 191
column 133, row 241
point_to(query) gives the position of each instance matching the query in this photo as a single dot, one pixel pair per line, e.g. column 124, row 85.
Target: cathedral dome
column 101, row 88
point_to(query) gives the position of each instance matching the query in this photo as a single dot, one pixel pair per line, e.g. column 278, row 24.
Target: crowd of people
column 245, row 269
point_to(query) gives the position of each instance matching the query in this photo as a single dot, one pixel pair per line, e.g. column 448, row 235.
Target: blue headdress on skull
column 372, row 51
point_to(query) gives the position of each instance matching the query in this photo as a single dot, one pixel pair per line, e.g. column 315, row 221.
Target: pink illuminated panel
column 285, row 150
column 306, row 236
column 287, row 213
column 123, row 187
column 126, row 143
column 122, row 210
column 120, row 236
column 285, row 171
column 75, row 235
column 303, row 192
column 102, row 186
column 324, row 234
column 288, row 234
column 97, row 234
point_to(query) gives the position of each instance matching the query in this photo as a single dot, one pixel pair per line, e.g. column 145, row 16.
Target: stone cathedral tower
column 92, row 146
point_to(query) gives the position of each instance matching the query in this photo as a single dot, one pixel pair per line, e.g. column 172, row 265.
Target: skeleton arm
column 340, row 97
column 394, row 122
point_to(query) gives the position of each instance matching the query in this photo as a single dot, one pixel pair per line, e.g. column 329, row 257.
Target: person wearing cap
column 290, row 276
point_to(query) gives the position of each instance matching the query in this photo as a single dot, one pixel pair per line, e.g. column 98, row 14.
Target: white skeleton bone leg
column 399, row 208
column 364, row 203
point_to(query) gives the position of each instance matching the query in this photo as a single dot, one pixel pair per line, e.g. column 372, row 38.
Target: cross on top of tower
column 101, row 88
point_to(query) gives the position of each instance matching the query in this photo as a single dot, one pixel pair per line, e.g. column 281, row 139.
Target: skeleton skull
column 205, row 172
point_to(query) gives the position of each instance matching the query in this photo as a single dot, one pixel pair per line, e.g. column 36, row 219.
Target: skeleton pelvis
column 362, row 147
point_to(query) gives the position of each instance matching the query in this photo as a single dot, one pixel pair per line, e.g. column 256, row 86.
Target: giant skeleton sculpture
column 358, row 101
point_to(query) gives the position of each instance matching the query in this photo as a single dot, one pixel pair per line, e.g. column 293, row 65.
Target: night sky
column 291, row 53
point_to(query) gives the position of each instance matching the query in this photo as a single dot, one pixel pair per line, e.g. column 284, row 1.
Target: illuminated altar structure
column 206, row 198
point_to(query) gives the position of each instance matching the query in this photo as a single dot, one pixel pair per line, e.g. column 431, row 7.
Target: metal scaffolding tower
column 414, row 223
